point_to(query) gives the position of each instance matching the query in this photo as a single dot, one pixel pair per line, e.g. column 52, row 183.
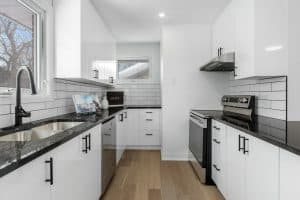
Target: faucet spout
column 19, row 111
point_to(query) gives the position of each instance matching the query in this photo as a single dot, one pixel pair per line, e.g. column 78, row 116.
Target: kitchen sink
column 40, row 132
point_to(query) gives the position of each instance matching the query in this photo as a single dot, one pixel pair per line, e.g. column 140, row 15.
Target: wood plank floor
column 142, row 175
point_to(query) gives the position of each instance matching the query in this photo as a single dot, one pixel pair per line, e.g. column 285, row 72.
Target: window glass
column 133, row 69
column 18, row 42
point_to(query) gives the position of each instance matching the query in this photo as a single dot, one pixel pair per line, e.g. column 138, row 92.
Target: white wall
column 184, row 49
column 142, row 50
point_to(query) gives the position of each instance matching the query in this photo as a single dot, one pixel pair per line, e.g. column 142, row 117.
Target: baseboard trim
column 143, row 147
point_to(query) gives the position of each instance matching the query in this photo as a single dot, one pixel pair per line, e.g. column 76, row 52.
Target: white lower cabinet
column 219, row 156
column 27, row 182
column 72, row 171
column 235, row 166
column 262, row 168
column 143, row 128
column 289, row 175
column 252, row 168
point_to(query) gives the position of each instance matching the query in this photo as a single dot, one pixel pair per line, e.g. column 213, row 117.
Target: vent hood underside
column 225, row 63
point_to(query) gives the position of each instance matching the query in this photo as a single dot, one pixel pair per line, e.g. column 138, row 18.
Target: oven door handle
column 202, row 125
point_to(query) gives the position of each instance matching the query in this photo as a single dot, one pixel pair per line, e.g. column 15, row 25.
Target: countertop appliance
column 115, row 98
column 108, row 151
column 237, row 109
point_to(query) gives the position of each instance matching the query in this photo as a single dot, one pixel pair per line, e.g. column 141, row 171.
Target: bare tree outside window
column 17, row 41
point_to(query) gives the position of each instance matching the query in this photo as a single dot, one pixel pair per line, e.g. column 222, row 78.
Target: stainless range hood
column 224, row 62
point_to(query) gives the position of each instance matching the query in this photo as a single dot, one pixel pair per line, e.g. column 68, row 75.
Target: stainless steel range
column 237, row 109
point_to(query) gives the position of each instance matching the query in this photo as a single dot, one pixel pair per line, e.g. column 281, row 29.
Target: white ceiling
column 138, row 21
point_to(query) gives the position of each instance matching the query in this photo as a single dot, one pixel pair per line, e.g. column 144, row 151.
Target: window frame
column 149, row 59
column 40, row 66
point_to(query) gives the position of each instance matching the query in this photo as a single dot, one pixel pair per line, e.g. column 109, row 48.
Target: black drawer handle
column 149, row 134
column 85, row 149
column 89, row 142
column 217, row 128
column 50, row 162
column 218, row 169
column 149, row 112
column 149, row 120
column 244, row 143
column 240, row 146
column 106, row 134
column 216, row 141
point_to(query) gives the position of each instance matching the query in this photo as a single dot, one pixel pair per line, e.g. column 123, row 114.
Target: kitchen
column 149, row 100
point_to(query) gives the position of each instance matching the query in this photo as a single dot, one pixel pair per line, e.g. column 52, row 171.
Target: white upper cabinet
column 224, row 31
column 257, row 31
column 82, row 38
column 261, row 38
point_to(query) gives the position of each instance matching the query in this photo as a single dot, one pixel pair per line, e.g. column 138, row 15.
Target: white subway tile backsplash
column 271, row 94
column 279, row 86
column 4, row 109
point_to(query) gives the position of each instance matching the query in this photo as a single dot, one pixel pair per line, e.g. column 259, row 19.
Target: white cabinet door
column 219, row 155
column 27, row 182
column 120, row 135
column 289, row 175
column 235, row 166
column 92, row 165
column 262, row 169
column 244, row 20
column 68, row 171
column 133, row 127
column 224, row 31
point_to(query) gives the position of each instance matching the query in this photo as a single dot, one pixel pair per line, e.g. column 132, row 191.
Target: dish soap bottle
column 104, row 103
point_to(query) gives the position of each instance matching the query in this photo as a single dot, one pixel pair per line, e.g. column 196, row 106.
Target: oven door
column 198, row 139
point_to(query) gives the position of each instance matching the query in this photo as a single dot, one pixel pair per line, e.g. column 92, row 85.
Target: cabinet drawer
column 150, row 137
column 150, row 114
column 149, row 124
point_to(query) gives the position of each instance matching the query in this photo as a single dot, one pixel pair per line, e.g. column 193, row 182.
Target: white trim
column 143, row 147
column 175, row 157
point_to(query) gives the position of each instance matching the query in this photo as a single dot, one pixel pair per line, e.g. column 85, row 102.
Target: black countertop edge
column 281, row 145
column 143, row 107
column 89, row 121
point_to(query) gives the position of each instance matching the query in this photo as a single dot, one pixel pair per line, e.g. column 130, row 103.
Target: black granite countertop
column 15, row 154
column 281, row 133
column 143, row 106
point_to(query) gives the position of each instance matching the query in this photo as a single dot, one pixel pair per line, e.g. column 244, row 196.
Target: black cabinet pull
column 50, row 162
column 149, row 134
column 215, row 166
column 89, row 141
column 121, row 117
column 107, row 134
column 149, row 120
column 240, row 146
column 244, row 143
column 217, row 128
column 216, row 141
column 149, row 112
column 85, row 139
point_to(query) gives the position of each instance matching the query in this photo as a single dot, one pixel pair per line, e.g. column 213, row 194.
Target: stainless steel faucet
column 19, row 111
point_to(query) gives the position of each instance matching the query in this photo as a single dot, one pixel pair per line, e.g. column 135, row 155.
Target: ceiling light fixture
column 162, row 15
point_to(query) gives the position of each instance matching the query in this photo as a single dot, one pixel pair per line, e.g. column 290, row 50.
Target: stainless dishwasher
column 108, row 151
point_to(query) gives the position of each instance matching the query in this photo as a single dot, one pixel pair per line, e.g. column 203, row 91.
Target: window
column 21, row 42
column 134, row 69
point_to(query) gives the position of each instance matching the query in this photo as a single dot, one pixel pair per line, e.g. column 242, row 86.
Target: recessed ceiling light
column 162, row 15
